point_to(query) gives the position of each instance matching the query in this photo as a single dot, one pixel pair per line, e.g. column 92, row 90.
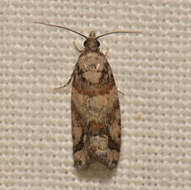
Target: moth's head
column 91, row 42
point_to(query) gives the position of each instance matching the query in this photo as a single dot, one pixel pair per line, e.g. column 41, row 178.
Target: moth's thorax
column 92, row 43
column 92, row 65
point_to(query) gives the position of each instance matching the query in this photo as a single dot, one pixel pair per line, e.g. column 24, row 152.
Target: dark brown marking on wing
column 112, row 144
column 112, row 114
column 80, row 145
column 111, row 119
column 106, row 75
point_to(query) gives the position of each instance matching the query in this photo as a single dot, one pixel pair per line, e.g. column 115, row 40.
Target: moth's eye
column 85, row 43
column 98, row 44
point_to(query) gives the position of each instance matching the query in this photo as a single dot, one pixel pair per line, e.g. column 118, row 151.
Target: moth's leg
column 76, row 47
column 69, row 81
column 107, row 52
column 123, row 93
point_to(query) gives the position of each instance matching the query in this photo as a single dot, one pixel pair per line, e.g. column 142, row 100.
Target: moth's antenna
column 63, row 27
column 118, row 32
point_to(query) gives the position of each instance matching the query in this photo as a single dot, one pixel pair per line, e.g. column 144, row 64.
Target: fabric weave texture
column 153, row 69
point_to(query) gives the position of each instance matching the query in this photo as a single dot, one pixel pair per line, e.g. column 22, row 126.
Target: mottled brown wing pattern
column 96, row 122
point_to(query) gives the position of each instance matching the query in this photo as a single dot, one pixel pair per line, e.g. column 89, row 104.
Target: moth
column 96, row 120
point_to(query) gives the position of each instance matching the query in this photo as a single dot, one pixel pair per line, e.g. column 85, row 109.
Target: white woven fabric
column 152, row 68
